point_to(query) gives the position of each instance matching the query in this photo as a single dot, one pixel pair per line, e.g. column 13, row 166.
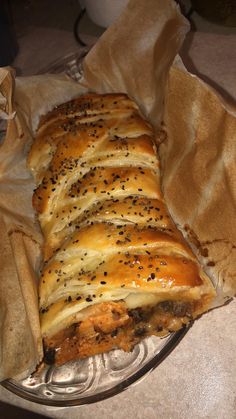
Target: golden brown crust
column 87, row 105
column 108, row 235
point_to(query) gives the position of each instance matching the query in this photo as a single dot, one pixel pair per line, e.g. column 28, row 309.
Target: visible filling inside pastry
column 112, row 325
column 116, row 269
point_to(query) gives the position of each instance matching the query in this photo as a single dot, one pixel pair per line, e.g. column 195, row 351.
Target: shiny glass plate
column 70, row 64
column 95, row 378
column 102, row 376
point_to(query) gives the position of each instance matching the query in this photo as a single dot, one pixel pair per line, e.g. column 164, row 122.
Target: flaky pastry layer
column 110, row 244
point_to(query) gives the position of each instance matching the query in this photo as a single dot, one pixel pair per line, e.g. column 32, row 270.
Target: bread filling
column 113, row 325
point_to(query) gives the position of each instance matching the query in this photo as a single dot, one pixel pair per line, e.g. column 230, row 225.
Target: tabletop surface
column 198, row 379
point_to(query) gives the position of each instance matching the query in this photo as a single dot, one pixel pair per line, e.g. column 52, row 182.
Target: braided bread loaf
column 116, row 269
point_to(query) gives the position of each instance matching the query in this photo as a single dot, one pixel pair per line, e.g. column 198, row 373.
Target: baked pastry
column 116, row 269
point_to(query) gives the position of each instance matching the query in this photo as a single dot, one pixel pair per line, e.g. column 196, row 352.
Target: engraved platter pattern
column 95, row 378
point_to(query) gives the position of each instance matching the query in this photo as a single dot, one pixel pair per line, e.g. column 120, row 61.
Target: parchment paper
column 199, row 154
column 133, row 56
